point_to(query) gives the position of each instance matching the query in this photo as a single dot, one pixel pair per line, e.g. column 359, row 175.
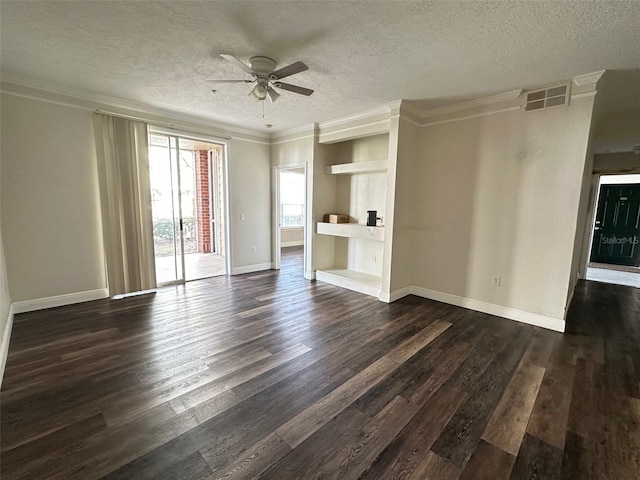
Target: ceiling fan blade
column 230, row 81
column 293, row 88
column 237, row 63
column 290, row 70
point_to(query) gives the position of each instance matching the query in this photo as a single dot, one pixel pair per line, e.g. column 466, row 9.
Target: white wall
column 498, row 195
column 249, row 195
column 50, row 200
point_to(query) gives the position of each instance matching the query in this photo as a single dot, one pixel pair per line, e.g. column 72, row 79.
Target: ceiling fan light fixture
column 259, row 91
column 272, row 94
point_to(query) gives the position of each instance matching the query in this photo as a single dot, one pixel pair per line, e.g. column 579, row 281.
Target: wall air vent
column 555, row 96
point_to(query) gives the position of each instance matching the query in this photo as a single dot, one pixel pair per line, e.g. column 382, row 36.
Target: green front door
column 616, row 236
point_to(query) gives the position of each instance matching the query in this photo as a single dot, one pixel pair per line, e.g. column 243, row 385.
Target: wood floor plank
column 195, row 381
column 537, row 459
column 488, row 463
column 406, row 451
column 461, row 435
column 404, row 352
column 348, row 462
column 585, row 397
column 434, row 467
column 550, row 414
column 508, row 423
column 191, row 468
column 225, row 436
column 309, row 457
column 255, row 460
column 305, row 424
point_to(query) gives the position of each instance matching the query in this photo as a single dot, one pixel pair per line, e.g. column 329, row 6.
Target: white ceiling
column 360, row 54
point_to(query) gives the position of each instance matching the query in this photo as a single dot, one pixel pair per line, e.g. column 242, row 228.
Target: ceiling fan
column 264, row 74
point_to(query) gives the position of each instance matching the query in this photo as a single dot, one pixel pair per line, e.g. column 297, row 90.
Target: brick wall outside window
column 203, row 197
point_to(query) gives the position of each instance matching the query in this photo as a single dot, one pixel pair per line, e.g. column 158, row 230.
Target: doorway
column 188, row 192
column 290, row 205
column 615, row 241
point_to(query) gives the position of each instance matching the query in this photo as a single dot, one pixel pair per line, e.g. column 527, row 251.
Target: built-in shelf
column 351, row 230
column 357, row 167
column 352, row 280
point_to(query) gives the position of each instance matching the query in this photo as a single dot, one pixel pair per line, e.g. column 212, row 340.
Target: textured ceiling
column 360, row 54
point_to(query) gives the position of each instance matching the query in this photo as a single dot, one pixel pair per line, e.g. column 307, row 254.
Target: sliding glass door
column 186, row 210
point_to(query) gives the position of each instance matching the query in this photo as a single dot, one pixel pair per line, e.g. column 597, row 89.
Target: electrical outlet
column 242, row 217
column 254, row 250
column 497, row 281
column 373, row 258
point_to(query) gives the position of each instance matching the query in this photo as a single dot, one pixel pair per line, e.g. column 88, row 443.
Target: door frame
column 214, row 193
column 224, row 143
column 276, row 253
column 591, row 216
column 594, row 196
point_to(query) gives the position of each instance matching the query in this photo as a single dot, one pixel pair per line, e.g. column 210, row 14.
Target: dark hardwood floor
column 271, row 376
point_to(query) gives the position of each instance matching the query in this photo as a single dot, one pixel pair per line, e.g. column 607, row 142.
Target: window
column 292, row 199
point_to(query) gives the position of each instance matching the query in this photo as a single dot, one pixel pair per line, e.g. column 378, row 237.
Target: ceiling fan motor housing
column 262, row 65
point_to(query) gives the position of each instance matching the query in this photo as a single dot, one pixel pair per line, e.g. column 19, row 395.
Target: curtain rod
column 160, row 124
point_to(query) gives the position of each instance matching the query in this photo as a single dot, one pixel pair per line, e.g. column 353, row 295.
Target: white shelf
column 352, row 280
column 351, row 230
column 357, row 167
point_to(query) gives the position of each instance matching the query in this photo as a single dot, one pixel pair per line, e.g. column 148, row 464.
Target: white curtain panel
column 125, row 197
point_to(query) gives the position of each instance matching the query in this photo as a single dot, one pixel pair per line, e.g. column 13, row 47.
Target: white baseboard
column 492, row 309
column 295, row 243
column 310, row 275
column 4, row 343
column 348, row 283
column 395, row 295
column 257, row 267
column 59, row 300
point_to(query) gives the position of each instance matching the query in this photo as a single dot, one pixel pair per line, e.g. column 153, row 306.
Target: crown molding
column 93, row 101
column 411, row 108
column 395, row 107
column 588, row 78
column 468, row 117
column 470, row 104
column 360, row 130
column 363, row 117
column 294, row 133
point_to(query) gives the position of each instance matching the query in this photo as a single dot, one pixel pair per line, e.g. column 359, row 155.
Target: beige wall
column 298, row 152
column 407, row 158
column 5, row 302
column 292, row 152
column 617, row 132
column 355, row 195
column 249, row 194
column 616, row 163
column 498, row 195
column 323, row 200
column 291, row 236
column 5, row 297
column 50, row 200
column 580, row 246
